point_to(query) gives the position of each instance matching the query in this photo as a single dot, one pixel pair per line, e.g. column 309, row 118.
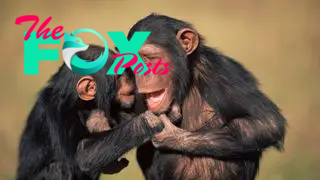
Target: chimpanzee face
column 101, row 86
column 125, row 87
column 126, row 90
column 159, row 88
column 156, row 88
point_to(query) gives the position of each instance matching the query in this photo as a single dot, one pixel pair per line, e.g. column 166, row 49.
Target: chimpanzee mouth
column 155, row 99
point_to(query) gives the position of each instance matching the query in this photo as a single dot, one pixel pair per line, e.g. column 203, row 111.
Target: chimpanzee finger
column 115, row 167
column 152, row 119
column 124, row 161
column 166, row 121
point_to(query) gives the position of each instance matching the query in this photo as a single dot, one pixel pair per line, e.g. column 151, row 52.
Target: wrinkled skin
column 155, row 85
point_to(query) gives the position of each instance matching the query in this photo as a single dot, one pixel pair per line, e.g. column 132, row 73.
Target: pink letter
column 55, row 31
column 46, row 31
column 154, row 70
column 167, row 69
column 25, row 18
column 137, row 68
column 118, row 65
column 149, row 70
column 128, row 64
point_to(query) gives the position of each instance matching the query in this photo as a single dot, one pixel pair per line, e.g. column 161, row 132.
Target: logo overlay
column 127, row 58
column 73, row 44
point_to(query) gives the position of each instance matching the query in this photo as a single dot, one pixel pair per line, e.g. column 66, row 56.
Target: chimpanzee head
column 173, row 41
column 93, row 87
column 126, row 88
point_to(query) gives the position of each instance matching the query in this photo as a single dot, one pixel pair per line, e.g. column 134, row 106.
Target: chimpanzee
column 58, row 123
column 227, row 122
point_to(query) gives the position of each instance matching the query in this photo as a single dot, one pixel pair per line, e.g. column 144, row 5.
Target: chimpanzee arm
column 236, row 138
column 105, row 147
column 60, row 139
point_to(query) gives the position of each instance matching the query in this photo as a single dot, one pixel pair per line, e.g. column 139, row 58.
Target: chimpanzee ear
column 86, row 88
column 189, row 40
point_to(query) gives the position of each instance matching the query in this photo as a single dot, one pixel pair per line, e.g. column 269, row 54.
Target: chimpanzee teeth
column 154, row 94
column 155, row 99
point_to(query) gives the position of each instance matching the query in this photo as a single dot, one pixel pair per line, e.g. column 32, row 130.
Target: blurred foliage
column 278, row 41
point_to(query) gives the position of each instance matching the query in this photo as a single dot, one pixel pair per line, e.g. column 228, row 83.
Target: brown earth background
column 279, row 41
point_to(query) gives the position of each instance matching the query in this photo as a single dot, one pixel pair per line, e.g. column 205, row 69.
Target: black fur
column 57, row 123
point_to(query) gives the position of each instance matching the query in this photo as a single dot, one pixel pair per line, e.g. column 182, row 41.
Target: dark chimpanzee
column 227, row 122
column 51, row 147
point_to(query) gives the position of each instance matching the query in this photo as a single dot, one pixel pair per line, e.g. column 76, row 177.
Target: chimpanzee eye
column 153, row 58
column 145, row 58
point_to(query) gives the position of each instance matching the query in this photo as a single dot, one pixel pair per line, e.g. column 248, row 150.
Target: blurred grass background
column 278, row 40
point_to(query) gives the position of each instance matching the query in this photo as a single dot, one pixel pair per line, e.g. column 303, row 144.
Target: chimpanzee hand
column 154, row 121
column 83, row 154
column 115, row 166
column 169, row 136
column 97, row 122
column 151, row 119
